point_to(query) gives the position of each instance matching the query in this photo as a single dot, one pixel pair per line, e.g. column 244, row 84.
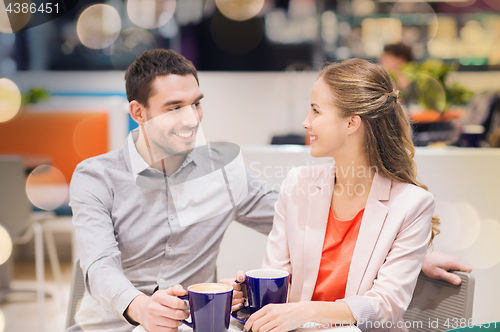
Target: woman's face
column 326, row 128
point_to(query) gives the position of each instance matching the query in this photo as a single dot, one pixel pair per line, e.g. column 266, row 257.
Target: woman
column 353, row 233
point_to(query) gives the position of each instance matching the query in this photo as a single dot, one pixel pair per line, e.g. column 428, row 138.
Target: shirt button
column 161, row 280
column 169, row 248
column 171, row 217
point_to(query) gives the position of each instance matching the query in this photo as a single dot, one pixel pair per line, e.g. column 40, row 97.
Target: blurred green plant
column 433, row 90
column 34, row 96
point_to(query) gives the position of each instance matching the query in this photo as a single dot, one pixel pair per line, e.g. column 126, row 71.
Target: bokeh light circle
column 495, row 4
column 170, row 29
column 98, row 26
column 10, row 99
column 14, row 22
column 236, row 37
column 5, row 251
column 421, row 12
column 470, row 226
column 129, row 45
column 483, row 253
column 47, row 188
column 450, row 224
column 84, row 145
column 240, row 10
column 377, row 32
column 465, row 3
column 150, row 14
column 431, row 92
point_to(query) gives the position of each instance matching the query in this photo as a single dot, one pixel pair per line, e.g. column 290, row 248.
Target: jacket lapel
column 319, row 201
column 371, row 226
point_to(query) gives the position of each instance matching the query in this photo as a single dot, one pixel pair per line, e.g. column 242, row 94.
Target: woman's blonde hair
column 365, row 89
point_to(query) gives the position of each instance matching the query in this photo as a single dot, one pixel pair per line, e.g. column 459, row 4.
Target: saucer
column 241, row 315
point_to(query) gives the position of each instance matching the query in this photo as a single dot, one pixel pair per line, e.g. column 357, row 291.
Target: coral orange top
column 338, row 247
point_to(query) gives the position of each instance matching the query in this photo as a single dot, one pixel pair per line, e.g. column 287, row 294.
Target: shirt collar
column 139, row 165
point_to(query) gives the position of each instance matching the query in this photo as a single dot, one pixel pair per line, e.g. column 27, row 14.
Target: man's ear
column 137, row 112
column 354, row 124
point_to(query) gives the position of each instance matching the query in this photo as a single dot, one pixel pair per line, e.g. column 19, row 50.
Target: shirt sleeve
column 257, row 208
column 91, row 200
column 277, row 250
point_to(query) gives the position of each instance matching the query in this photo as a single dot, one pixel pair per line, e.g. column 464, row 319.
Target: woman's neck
column 352, row 171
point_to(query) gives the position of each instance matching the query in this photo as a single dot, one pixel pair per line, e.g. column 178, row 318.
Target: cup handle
column 186, row 298
column 244, row 282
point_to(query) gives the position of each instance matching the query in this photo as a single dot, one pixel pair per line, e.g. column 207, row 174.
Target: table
column 238, row 327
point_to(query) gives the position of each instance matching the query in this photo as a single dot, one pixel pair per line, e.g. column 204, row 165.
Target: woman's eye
column 315, row 111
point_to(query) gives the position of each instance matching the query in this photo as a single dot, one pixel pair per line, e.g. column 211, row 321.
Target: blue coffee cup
column 210, row 306
column 471, row 136
column 266, row 286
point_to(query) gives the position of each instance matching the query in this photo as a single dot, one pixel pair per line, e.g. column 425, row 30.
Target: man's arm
column 436, row 265
column 257, row 209
column 91, row 199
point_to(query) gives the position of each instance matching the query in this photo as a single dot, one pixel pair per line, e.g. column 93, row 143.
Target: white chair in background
column 76, row 293
column 18, row 219
column 47, row 189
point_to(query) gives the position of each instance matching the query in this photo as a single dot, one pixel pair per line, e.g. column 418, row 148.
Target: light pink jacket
column 388, row 255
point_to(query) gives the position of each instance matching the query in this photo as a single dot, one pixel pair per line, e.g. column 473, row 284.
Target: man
column 393, row 59
column 395, row 56
column 152, row 214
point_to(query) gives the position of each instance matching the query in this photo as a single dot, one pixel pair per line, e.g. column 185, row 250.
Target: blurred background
column 62, row 100
column 255, row 35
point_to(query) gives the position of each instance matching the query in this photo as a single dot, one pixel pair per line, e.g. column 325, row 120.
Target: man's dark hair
column 400, row 50
column 157, row 62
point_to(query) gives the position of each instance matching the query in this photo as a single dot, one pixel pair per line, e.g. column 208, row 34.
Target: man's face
column 173, row 115
column 391, row 62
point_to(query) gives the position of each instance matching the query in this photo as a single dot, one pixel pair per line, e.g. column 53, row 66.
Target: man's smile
column 185, row 135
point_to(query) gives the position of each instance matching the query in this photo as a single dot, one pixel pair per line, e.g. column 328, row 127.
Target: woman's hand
column 278, row 317
column 290, row 316
column 239, row 291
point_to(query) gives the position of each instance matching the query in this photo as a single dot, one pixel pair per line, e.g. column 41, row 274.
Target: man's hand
column 160, row 312
column 436, row 265
column 238, row 293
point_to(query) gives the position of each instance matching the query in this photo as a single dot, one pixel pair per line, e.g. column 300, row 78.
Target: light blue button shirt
column 129, row 232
